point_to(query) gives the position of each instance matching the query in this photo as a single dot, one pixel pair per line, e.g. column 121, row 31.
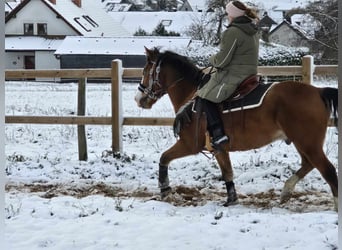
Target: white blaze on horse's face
column 139, row 95
column 142, row 97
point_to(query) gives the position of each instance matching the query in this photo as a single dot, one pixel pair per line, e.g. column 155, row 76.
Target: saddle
column 245, row 87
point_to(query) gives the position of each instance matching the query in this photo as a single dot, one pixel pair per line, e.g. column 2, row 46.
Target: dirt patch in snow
column 182, row 195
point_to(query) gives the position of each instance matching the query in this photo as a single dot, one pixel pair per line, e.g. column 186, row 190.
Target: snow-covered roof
column 148, row 21
column 102, row 24
column 275, row 8
column 89, row 19
column 10, row 5
column 299, row 30
column 31, row 43
column 118, row 45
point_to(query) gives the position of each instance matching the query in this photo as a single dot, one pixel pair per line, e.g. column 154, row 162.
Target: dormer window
column 28, row 29
column 42, row 29
column 166, row 23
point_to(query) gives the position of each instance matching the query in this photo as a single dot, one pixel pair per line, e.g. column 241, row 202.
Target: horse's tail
column 330, row 98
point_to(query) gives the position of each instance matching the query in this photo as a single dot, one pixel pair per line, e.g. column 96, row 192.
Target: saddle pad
column 252, row 100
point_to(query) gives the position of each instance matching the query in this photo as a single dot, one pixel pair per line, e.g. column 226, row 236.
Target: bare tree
column 218, row 6
column 325, row 13
column 210, row 26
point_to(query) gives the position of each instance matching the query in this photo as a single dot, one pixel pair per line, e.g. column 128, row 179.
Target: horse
column 291, row 111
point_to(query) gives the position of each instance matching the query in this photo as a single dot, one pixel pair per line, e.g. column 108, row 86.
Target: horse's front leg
column 178, row 150
column 223, row 160
column 163, row 180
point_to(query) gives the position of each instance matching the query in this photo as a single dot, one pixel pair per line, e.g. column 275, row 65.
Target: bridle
column 154, row 80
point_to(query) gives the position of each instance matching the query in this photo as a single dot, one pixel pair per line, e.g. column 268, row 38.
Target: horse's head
column 163, row 73
column 150, row 89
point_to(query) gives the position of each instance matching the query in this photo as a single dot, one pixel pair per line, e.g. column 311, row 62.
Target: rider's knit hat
column 234, row 11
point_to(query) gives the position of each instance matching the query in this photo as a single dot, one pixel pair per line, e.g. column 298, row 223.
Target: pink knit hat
column 234, row 11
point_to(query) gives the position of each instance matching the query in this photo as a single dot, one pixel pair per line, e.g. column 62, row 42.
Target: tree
column 218, row 6
column 161, row 31
column 140, row 32
column 325, row 12
column 202, row 29
column 210, row 26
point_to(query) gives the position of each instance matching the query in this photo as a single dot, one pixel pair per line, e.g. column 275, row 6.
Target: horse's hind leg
column 328, row 171
column 290, row 184
column 311, row 159
column 227, row 175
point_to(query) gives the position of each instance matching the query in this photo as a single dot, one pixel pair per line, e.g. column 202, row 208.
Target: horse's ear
column 147, row 51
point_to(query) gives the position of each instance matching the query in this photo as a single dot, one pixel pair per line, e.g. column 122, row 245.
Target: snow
column 54, row 201
column 30, row 43
column 118, row 45
column 173, row 21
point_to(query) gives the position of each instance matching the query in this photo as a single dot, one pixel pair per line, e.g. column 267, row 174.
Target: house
column 45, row 23
column 265, row 24
column 61, row 18
column 278, row 10
column 290, row 35
column 10, row 5
column 194, row 5
column 116, row 5
column 98, row 52
column 134, row 21
column 31, row 52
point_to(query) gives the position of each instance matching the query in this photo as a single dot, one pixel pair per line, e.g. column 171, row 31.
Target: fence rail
column 116, row 73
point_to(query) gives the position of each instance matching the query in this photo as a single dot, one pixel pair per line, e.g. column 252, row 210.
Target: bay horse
column 291, row 111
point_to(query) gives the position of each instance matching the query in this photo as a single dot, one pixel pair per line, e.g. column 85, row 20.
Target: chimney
column 53, row 1
column 77, row 2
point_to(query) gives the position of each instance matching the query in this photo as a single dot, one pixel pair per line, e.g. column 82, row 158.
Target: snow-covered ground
column 54, row 201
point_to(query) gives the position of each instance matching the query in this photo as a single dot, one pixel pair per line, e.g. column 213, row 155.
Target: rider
column 236, row 59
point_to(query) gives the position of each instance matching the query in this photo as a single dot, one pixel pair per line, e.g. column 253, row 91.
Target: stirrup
column 222, row 139
column 217, row 143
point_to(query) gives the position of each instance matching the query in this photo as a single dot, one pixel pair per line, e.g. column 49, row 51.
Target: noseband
column 154, row 80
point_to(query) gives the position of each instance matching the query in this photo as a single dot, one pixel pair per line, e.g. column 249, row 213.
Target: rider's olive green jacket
column 236, row 59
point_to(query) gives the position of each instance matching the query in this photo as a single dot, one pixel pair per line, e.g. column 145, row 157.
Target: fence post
column 117, row 114
column 308, row 68
column 81, row 133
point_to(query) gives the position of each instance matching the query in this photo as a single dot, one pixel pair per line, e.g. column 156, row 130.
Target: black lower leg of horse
column 163, row 179
column 231, row 192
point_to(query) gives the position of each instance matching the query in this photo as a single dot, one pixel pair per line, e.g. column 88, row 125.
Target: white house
column 45, row 23
column 10, row 5
column 61, row 18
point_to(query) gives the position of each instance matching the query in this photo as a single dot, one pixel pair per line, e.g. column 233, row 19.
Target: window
column 166, row 22
column 28, row 29
column 90, row 20
column 42, row 29
column 77, row 20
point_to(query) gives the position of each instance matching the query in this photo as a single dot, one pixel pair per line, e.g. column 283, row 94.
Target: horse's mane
column 181, row 64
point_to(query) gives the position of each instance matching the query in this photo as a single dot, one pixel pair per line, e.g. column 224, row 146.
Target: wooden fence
column 116, row 73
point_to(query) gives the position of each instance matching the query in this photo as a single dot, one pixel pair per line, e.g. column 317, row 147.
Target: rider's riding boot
column 218, row 136
column 214, row 124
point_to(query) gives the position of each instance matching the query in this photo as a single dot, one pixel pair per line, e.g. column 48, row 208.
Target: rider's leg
column 214, row 123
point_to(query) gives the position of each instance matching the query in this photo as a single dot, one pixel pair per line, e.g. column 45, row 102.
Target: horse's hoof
column 336, row 203
column 285, row 197
column 230, row 202
column 165, row 192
